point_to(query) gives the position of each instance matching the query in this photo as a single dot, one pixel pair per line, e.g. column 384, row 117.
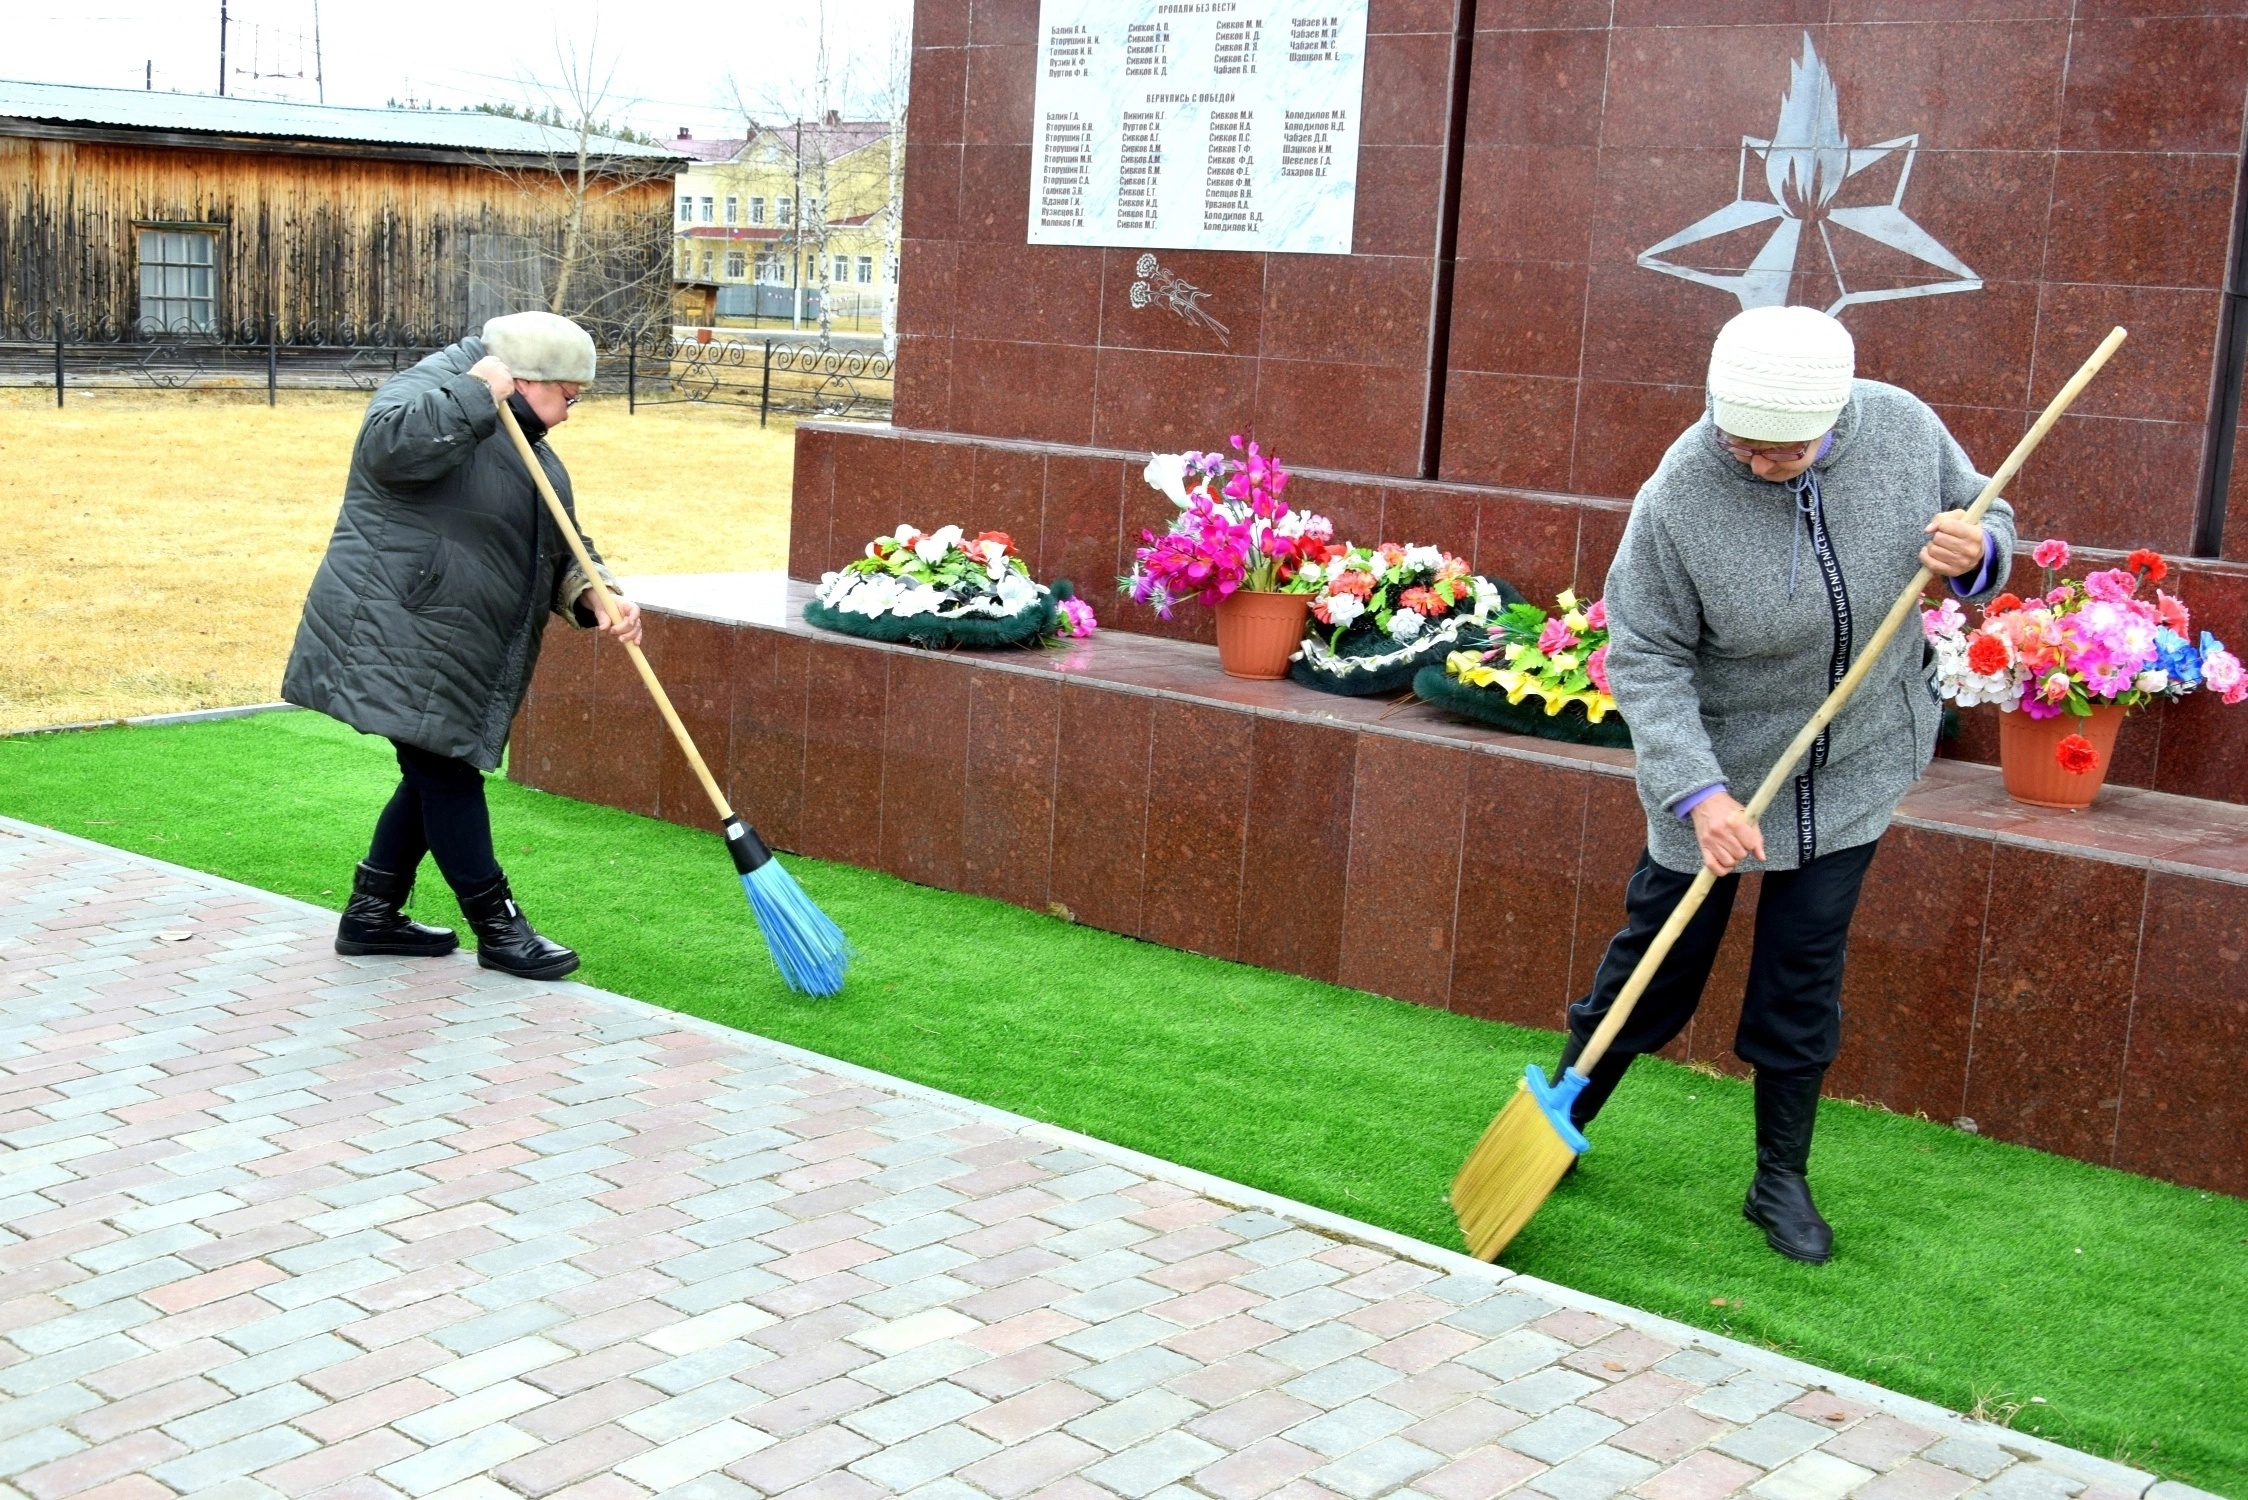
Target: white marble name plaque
column 1198, row 124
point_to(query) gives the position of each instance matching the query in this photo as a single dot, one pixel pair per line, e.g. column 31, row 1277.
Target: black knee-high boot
column 1606, row 1074
column 1779, row 1201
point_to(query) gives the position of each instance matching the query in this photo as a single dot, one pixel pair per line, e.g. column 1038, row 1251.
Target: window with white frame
column 706, row 265
column 768, row 268
column 733, row 209
column 178, row 280
column 707, row 208
column 842, row 268
column 811, row 210
column 757, row 210
column 734, row 265
column 686, row 209
column 866, row 270
column 784, row 210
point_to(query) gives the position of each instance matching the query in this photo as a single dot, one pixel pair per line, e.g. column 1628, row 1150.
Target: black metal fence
column 774, row 376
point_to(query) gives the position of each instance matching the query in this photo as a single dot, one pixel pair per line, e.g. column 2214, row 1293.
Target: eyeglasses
column 572, row 399
column 1748, row 454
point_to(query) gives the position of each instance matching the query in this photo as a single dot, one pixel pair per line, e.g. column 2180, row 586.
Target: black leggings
column 1791, row 1015
column 438, row 809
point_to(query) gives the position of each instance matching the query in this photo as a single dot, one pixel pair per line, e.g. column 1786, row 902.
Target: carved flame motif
column 1160, row 288
column 1809, row 170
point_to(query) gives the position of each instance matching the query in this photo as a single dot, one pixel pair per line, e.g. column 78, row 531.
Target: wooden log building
column 144, row 216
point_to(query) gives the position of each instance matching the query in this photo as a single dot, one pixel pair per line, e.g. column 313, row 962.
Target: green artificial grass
column 1972, row 1273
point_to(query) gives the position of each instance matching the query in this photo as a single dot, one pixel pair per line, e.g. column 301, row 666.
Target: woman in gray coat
column 1772, row 539
column 423, row 622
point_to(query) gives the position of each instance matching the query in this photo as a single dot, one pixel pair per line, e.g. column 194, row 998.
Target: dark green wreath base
column 1025, row 627
column 1393, row 679
column 1489, row 706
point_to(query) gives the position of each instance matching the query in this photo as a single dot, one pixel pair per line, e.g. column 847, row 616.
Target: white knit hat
column 1780, row 374
column 541, row 346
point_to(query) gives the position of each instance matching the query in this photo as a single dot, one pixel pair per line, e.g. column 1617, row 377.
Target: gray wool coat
column 1716, row 664
column 423, row 622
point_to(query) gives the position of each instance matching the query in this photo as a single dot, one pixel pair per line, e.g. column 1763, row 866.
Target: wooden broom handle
column 1777, row 777
column 605, row 607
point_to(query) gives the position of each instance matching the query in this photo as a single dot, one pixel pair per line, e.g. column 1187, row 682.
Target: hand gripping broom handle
column 606, row 608
column 1641, row 977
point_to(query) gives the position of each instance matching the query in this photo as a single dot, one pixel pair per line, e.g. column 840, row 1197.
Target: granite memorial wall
column 1557, row 204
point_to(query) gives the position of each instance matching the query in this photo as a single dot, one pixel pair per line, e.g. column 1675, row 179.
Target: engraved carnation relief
column 1158, row 287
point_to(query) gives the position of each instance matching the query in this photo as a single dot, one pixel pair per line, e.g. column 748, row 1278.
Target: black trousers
column 1791, row 1014
column 438, row 809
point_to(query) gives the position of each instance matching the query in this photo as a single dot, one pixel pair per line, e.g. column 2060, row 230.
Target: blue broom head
column 1554, row 1100
column 808, row 948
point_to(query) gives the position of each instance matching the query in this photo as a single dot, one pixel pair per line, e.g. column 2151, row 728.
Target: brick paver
column 278, row 1223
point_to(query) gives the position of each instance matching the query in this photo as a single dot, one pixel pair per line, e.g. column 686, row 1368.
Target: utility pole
column 148, row 75
column 319, row 73
column 796, row 229
column 222, row 48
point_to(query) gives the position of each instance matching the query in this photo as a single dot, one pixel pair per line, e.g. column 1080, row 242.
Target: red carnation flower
column 2003, row 604
column 2149, row 564
column 1987, row 655
column 2076, row 755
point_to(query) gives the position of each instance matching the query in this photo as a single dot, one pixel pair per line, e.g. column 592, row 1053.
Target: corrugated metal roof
column 226, row 116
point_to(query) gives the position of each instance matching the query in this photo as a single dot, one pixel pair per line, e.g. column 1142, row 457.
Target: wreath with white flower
column 1381, row 613
column 943, row 588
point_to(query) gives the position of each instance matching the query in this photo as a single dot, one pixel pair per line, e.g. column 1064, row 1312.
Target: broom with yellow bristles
column 1525, row 1151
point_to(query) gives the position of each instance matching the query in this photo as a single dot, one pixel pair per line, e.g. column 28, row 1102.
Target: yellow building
column 808, row 207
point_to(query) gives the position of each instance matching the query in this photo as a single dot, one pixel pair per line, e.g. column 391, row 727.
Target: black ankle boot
column 505, row 939
column 374, row 919
column 1779, row 1201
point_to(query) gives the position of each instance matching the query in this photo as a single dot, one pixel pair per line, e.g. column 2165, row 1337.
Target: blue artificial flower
column 2174, row 654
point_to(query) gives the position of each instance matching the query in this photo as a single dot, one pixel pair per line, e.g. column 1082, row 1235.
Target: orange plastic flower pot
column 1257, row 633
column 2029, row 754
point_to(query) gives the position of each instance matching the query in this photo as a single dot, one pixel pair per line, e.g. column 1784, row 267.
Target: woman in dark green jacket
column 423, row 622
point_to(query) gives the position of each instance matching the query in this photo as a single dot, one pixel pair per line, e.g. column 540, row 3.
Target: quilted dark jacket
column 423, row 622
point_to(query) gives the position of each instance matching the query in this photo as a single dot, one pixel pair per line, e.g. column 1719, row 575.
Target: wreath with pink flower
column 1542, row 674
column 942, row 589
column 1380, row 614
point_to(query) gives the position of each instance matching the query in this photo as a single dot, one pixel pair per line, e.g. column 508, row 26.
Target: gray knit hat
column 1780, row 374
column 541, row 346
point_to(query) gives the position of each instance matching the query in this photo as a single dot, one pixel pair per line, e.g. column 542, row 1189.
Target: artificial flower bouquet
column 943, row 588
column 1558, row 659
column 1234, row 533
column 2081, row 648
column 1380, row 614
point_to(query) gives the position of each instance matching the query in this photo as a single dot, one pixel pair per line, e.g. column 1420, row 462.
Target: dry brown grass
column 160, row 543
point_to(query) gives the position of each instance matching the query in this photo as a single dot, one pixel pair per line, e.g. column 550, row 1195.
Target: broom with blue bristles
column 809, row 949
column 1525, row 1152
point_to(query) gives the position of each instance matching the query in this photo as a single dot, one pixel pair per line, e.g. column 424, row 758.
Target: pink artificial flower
column 2220, row 672
column 1555, row 637
column 2112, row 584
column 2171, row 611
column 1944, row 620
column 1596, row 618
column 2051, row 553
column 1076, row 618
column 1596, row 667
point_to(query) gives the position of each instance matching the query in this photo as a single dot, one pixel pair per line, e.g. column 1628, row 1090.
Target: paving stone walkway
column 279, row 1223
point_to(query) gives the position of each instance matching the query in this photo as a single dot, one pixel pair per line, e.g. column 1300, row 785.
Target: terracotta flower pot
column 1257, row 633
column 2028, row 754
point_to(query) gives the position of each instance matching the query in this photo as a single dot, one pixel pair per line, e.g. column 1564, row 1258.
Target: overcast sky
column 672, row 62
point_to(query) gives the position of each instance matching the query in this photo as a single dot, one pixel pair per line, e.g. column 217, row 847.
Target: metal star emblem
column 1809, row 167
